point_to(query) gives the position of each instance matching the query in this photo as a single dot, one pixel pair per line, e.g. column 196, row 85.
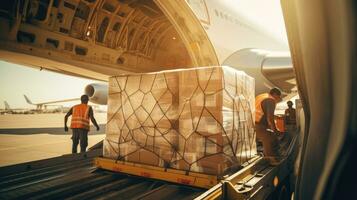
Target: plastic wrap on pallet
column 197, row 119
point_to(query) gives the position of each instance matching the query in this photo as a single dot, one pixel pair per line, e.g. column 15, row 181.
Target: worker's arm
column 69, row 113
column 91, row 115
column 270, row 108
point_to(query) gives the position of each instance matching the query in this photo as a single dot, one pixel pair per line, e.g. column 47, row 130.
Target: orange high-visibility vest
column 80, row 116
column 258, row 105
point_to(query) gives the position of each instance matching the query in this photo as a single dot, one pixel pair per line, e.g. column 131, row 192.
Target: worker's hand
column 97, row 128
column 279, row 133
column 66, row 129
column 275, row 132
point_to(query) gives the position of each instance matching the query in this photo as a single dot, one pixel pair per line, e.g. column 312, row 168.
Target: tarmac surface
column 46, row 120
column 25, row 138
column 15, row 149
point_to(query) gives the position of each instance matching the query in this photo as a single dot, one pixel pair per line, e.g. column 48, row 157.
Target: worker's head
column 276, row 94
column 290, row 104
column 84, row 99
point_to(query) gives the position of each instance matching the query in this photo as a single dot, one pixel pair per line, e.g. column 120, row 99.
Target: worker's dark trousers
column 79, row 136
column 269, row 141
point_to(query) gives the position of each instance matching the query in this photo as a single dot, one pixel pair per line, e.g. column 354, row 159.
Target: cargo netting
column 198, row 120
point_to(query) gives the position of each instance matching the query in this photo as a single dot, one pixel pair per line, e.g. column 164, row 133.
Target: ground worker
column 266, row 130
column 290, row 117
column 290, row 114
column 80, row 123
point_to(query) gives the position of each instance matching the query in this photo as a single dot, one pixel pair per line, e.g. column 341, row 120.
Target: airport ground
column 25, row 138
column 45, row 120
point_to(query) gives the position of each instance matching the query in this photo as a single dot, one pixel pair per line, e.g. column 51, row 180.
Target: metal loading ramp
column 76, row 177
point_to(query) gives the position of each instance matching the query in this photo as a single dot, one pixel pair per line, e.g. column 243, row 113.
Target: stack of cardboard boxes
column 197, row 119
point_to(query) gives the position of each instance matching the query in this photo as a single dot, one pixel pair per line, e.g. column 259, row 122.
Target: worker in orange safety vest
column 81, row 114
column 290, row 115
column 266, row 130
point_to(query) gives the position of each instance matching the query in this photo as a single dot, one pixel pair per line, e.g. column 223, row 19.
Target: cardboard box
column 197, row 119
column 144, row 156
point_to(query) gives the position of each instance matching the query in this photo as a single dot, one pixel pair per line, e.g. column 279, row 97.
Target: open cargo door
column 99, row 39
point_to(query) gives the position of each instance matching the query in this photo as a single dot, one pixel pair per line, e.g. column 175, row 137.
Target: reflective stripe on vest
column 258, row 105
column 80, row 116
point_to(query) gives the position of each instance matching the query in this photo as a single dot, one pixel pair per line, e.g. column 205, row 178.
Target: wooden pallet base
column 170, row 175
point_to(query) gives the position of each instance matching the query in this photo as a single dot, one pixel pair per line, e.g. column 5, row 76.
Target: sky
column 17, row 80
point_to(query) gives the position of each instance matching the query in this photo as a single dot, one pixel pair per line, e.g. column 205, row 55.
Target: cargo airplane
column 99, row 39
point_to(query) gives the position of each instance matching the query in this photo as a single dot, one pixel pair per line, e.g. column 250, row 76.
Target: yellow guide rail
column 170, row 175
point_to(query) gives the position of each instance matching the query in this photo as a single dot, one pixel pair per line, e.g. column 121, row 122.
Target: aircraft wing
column 50, row 102
column 59, row 101
column 270, row 69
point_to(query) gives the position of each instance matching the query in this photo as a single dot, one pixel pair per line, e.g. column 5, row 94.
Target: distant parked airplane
column 43, row 105
column 7, row 106
column 100, row 98
column 9, row 110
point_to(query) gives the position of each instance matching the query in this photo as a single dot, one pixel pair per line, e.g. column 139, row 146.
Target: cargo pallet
column 171, row 175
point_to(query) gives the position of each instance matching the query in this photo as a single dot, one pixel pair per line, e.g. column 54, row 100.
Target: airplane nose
column 89, row 90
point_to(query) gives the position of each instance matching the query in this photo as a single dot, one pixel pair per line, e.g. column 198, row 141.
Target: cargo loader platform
column 89, row 176
column 261, row 179
column 76, row 177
